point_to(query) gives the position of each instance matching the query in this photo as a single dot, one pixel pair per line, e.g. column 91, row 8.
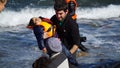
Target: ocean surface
column 98, row 20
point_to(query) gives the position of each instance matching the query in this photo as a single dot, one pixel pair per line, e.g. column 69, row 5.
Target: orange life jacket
column 74, row 1
column 67, row 1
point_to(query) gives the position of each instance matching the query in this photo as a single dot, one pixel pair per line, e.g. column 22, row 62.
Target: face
column 2, row 6
column 37, row 21
column 61, row 14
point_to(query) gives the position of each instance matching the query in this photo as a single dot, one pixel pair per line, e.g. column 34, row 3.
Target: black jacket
column 68, row 32
column 57, row 61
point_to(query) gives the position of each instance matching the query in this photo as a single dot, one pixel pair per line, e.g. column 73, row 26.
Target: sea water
column 98, row 21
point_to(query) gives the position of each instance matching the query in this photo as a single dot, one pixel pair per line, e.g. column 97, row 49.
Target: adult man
column 2, row 4
column 72, row 5
column 67, row 29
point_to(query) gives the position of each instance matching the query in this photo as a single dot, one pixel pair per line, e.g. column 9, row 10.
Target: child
column 44, row 30
column 56, row 60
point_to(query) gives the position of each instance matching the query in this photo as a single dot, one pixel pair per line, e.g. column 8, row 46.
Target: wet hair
column 42, row 62
column 60, row 5
column 3, row 1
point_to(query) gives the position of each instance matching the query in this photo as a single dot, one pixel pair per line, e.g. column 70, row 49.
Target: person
column 36, row 24
column 66, row 28
column 2, row 4
column 56, row 60
column 72, row 6
column 40, row 32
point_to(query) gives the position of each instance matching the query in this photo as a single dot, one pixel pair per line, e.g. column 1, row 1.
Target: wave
column 99, row 12
column 16, row 4
column 97, row 3
column 12, row 18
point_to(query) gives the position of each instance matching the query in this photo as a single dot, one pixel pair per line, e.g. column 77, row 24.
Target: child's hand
column 45, row 35
column 44, row 50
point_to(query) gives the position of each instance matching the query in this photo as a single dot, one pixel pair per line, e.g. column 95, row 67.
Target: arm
column 77, row 39
column 75, row 36
column 74, row 49
column 38, row 32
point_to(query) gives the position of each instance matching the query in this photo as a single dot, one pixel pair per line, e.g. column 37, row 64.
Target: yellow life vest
column 48, row 28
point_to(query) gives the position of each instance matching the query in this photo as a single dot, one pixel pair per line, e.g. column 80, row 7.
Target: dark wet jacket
column 68, row 31
column 58, row 60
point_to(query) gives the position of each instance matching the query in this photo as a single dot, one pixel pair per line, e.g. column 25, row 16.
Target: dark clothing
column 71, row 8
column 38, row 32
column 68, row 31
column 57, row 60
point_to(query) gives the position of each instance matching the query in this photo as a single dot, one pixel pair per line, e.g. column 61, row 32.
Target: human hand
column 45, row 35
column 44, row 50
column 73, row 49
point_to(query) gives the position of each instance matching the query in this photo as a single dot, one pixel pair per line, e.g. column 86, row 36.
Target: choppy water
column 103, row 40
column 18, row 46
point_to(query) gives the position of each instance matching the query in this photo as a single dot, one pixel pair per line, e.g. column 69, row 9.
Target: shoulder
column 58, row 60
column 71, row 24
column 70, row 20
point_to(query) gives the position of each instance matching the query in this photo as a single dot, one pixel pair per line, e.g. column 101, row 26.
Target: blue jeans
column 70, row 57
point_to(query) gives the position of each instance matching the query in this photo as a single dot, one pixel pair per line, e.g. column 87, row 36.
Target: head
column 61, row 9
column 53, row 45
column 41, row 62
column 2, row 4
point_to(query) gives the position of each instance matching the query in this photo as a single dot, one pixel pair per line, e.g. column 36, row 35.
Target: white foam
column 101, row 12
column 14, row 18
